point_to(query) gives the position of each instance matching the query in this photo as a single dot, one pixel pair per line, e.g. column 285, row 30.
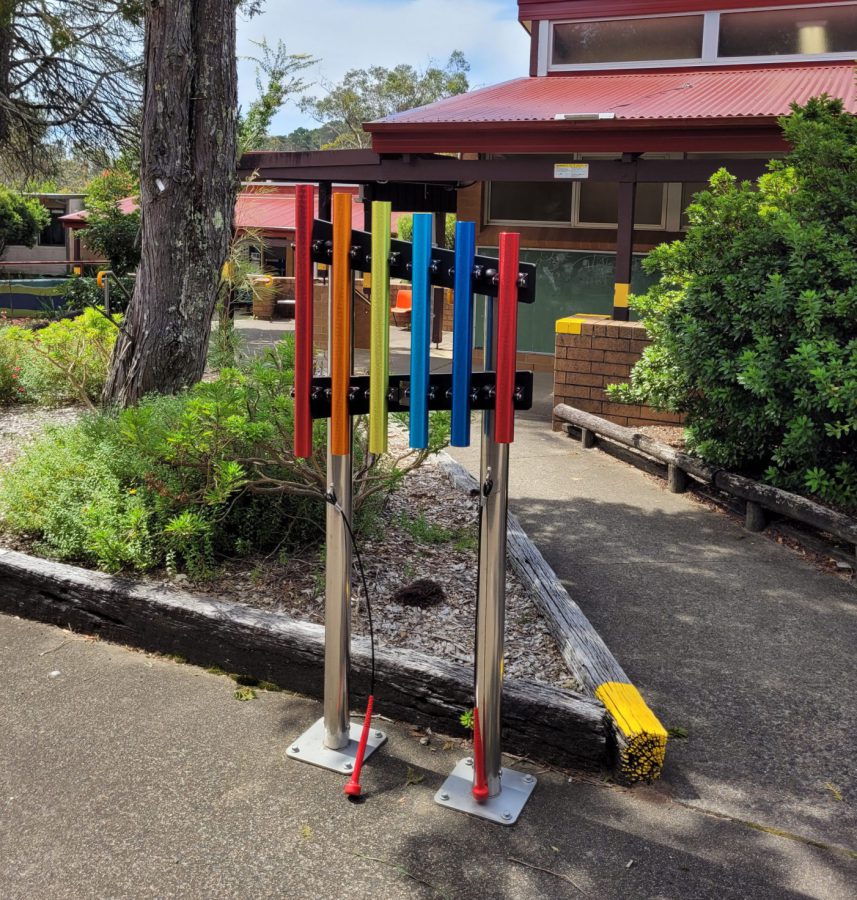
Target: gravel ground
column 420, row 563
column 20, row 424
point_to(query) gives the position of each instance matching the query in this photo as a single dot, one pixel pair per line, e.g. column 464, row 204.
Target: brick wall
column 592, row 353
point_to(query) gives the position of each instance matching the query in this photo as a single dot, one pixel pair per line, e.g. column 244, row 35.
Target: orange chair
column 402, row 308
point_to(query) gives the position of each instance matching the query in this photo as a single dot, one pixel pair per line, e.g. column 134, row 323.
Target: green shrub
column 113, row 234
column 11, row 390
column 184, row 480
column 82, row 292
column 754, row 319
column 68, row 360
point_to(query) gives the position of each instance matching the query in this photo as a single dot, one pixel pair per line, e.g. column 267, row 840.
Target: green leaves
column 754, row 318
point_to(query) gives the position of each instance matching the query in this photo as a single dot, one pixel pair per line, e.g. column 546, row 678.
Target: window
column 598, row 202
column 803, row 31
column 517, row 201
column 583, row 204
column 627, row 40
column 53, row 234
column 767, row 35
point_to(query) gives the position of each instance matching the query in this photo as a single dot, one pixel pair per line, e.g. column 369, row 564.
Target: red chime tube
column 304, row 203
column 507, row 337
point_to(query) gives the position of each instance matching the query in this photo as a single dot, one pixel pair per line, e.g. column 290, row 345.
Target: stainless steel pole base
column 309, row 748
column 503, row 808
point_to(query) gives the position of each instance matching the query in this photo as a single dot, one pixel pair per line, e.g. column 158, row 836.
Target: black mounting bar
column 482, row 393
column 441, row 267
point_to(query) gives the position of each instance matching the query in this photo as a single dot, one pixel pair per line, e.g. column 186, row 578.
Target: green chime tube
column 379, row 354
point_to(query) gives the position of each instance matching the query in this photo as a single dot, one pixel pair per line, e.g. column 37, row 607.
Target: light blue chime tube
column 420, row 330
column 462, row 332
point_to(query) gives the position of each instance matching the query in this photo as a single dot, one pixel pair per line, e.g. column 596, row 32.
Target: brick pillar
column 593, row 352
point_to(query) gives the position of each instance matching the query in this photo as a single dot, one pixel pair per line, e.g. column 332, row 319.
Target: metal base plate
column 309, row 748
column 503, row 809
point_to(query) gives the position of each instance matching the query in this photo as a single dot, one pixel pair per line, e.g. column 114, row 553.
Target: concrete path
column 125, row 775
column 727, row 634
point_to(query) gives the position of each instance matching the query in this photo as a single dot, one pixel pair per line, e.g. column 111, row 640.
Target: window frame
column 574, row 219
column 710, row 43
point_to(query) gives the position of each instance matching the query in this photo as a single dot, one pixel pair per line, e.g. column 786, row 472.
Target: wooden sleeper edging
column 640, row 739
column 545, row 723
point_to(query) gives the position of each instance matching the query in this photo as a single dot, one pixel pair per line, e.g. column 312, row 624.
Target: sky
column 355, row 34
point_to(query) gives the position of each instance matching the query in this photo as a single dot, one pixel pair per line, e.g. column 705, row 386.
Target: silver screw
column 444, row 796
column 348, row 767
column 507, row 815
column 296, row 749
column 379, row 734
column 529, row 779
column 468, row 761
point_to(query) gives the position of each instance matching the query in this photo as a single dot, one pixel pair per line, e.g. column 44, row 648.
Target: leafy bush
column 109, row 231
column 21, row 219
column 754, row 319
column 67, row 361
column 183, row 480
column 82, row 292
column 11, row 390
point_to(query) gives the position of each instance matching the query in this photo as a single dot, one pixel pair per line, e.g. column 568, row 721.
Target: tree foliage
column 69, row 74
column 364, row 95
column 277, row 78
column 21, row 219
column 110, row 232
column 406, row 229
column 754, row 319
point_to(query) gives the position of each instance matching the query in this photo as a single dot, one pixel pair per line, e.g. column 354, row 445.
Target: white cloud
column 354, row 34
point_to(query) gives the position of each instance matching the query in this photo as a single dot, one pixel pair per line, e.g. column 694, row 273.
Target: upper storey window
column 773, row 34
column 805, row 31
column 627, row 40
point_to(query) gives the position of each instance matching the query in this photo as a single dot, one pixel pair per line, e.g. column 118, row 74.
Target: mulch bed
column 420, row 561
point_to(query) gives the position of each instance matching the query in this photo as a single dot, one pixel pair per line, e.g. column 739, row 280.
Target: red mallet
column 480, row 786
column 352, row 789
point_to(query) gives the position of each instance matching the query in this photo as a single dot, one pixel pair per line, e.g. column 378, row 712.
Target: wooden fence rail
column 758, row 497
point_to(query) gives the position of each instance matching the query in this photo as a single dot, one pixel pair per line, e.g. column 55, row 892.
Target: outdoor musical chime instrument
column 478, row 785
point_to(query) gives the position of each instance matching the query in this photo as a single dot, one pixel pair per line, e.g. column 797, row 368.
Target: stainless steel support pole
column 508, row 790
column 337, row 607
column 491, row 617
column 491, row 620
column 332, row 742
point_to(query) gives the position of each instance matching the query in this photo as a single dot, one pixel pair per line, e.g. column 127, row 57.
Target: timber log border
column 640, row 739
column 759, row 500
column 544, row 723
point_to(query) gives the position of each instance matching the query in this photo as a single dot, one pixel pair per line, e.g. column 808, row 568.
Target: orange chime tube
column 507, row 337
column 304, row 202
column 340, row 335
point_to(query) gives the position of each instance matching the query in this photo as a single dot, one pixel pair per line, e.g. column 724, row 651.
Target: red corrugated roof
column 261, row 208
column 762, row 92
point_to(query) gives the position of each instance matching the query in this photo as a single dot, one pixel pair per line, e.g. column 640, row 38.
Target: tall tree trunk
column 188, row 186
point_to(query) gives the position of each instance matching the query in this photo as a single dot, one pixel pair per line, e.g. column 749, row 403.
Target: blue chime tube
column 462, row 332
column 420, row 330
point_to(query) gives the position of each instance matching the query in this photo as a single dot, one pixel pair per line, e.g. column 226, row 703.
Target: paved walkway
column 726, row 633
column 131, row 776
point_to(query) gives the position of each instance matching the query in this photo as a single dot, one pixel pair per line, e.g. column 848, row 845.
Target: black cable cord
column 485, row 490
column 331, row 499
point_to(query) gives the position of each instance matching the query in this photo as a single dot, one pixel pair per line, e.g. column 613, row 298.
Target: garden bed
column 426, row 532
